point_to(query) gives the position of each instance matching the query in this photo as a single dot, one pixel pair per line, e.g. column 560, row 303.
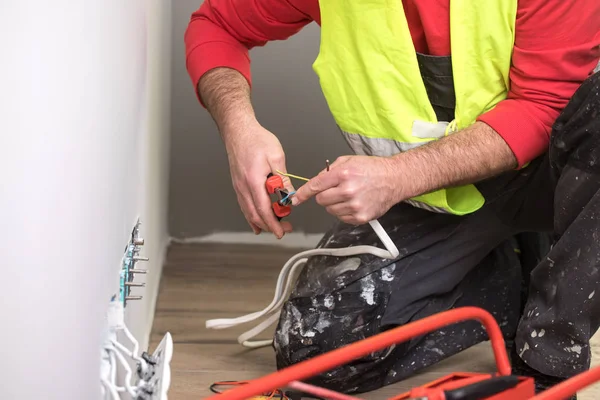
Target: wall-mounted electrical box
column 130, row 268
column 126, row 374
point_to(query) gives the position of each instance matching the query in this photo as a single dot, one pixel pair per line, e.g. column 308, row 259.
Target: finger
column 255, row 228
column 343, row 213
column 250, row 211
column 287, row 227
column 262, row 203
column 254, row 219
column 350, row 220
column 338, row 194
column 323, row 181
column 341, row 209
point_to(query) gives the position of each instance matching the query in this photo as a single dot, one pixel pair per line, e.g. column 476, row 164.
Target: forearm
column 226, row 94
column 468, row 156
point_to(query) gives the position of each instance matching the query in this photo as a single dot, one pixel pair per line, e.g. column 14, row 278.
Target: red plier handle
column 281, row 207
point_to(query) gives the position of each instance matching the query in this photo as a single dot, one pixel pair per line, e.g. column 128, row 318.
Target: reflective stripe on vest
column 370, row 76
column 387, row 147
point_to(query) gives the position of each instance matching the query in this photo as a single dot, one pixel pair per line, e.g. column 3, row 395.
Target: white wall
column 154, row 161
column 83, row 134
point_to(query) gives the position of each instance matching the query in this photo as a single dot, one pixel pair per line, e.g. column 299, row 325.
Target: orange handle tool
column 281, row 207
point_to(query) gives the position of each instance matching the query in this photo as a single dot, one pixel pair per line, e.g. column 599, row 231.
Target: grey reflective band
column 385, row 148
column 427, row 207
column 388, row 147
column 376, row 146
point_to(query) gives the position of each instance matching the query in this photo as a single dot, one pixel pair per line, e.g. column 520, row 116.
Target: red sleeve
column 221, row 32
column 557, row 46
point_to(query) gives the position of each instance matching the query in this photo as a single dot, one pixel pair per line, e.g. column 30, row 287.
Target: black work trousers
column 482, row 259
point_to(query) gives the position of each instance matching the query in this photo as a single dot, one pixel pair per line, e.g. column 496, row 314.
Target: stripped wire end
column 286, row 200
column 292, row 176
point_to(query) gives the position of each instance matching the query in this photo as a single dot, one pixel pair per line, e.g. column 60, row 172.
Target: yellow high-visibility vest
column 370, row 77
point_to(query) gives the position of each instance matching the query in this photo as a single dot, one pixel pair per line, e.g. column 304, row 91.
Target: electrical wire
column 116, row 350
column 128, row 373
column 287, row 197
column 136, row 346
column 111, row 388
column 113, row 368
column 292, row 176
column 285, row 282
column 122, row 348
column 274, row 394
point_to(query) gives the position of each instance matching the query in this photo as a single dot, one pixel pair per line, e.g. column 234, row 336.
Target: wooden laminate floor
column 205, row 281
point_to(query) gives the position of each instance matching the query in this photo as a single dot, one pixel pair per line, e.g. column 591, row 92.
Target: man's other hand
column 356, row 189
column 253, row 153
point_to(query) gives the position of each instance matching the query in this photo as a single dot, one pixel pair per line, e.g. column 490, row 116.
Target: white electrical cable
column 117, row 350
column 108, row 382
column 110, row 348
column 113, row 368
column 134, row 353
column 128, row 373
column 111, row 388
column 286, row 275
column 122, row 348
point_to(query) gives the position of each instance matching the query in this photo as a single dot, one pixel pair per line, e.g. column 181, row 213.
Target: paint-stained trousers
column 483, row 259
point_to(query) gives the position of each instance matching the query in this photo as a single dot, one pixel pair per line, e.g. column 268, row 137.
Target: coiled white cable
column 286, row 276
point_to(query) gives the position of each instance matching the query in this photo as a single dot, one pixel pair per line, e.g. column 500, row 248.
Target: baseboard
column 290, row 240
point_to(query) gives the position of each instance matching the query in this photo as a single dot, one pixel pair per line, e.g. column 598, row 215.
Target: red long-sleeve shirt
column 557, row 46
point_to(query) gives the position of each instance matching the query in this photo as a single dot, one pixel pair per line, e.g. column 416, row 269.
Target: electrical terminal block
column 129, row 267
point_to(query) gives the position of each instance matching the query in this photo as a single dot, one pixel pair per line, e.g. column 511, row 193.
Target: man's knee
column 309, row 327
column 576, row 132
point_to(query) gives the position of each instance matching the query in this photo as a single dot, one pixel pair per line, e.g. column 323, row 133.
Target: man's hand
column 356, row 189
column 254, row 153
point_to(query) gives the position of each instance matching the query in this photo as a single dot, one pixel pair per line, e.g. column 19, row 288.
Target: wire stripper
column 281, row 207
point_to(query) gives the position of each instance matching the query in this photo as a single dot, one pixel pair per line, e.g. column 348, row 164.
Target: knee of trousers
column 575, row 135
column 309, row 327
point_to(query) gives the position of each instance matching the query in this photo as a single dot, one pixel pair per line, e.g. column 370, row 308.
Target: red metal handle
column 343, row 355
column 281, row 211
column 571, row 386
